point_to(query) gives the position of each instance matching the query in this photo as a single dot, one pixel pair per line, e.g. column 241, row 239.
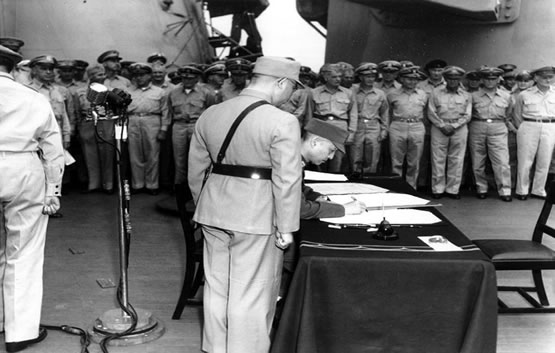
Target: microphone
column 97, row 94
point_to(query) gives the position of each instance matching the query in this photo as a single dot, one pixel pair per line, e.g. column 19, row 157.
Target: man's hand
column 383, row 135
column 51, row 205
column 354, row 207
column 161, row 135
column 448, row 130
column 283, row 240
column 66, row 145
column 350, row 138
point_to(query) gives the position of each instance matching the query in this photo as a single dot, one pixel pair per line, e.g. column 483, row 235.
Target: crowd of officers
column 439, row 127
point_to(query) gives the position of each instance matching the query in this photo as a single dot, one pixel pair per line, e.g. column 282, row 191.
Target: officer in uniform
column 22, row 72
column 157, row 59
column 111, row 61
column 159, row 78
column 373, row 120
column 347, row 74
column 508, row 81
column 472, row 81
column 308, row 77
column 79, row 73
column 98, row 151
column 449, row 110
column 488, row 134
column 534, row 114
column 248, row 206
column 216, row 74
column 300, row 102
column 185, row 105
column 31, row 164
column 239, row 70
column 148, row 125
column 389, row 69
column 407, row 109
column 336, row 104
column 13, row 44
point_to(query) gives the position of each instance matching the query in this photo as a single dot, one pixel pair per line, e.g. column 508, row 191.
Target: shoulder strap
column 234, row 126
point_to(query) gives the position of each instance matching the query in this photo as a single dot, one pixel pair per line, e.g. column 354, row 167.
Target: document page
column 319, row 176
column 346, row 188
column 377, row 200
column 393, row 216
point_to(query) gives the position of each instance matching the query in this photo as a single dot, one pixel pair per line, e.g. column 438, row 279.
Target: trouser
column 336, row 163
column 182, row 133
column 22, row 238
column 406, row 141
column 98, row 153
column 490, row 140
column 425, row 170
column 534, row 141
column 511, row 141
column 167, row 173
column 447, row 150
column 242, row 277
column 366, row 147
column 144, row 150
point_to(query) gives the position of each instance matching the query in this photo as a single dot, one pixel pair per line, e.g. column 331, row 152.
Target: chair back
column 541, row 224
column 186, row 211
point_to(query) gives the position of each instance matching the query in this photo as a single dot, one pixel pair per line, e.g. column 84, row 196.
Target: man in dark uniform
column 508, row 81
column 239, row 70
column 111, row 61
column 13, row 44
column 79, row 72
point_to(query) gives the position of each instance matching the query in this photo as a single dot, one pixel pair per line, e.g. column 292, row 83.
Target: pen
column 355, row 199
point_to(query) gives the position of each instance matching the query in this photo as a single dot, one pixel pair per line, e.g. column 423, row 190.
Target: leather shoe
column 152, row 191
column 56, row 215
column 437, row 196
column 537, row 197
column 481, row 195
column 521, row 197
column 453, row 196
column 506, row 198
column 21, row 345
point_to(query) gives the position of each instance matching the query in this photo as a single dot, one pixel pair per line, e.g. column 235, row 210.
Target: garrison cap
column 412, row 72
column 545, row 69
column 490, row 72
column 157, row 56
column 278, row 67
column 524, row 75
column 238, row 66
column 473, row 75
column 189, row 71
column 217, row 68
column 66, row 64
column 333, row 133
column 108, row 55
column 507, row 67
column 453, row 72
column 43, row 60
column 389, row 66
column 9, row 54
column 140, row 68
column 435, row 64
column 367, row 69
column 81, row 64
column 13, row 44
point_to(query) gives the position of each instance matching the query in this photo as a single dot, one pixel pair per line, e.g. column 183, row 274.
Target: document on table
column 319, row 176
column 439, row 243
column 385, row 200
column 393, row 216
column 346, row 188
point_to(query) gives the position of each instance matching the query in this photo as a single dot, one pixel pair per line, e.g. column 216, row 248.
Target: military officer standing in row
column 389, row 70
column 373, row 120
column 449, row 111
column 488, row 134
column 239, row 70
column 534, row 114
column 215, row 76
column 111, row 61
column 407, row 108
column 300, row 102
column 508, row 79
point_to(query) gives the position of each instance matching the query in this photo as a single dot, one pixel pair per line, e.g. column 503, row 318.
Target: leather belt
column 403, row 120
column 548, row 120
column 329, row 117
column 242, row 171
column 183, row 121
column 144, row 114
column 490, row 120
column 368, row 120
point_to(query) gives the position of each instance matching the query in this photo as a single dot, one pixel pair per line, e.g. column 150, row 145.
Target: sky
column 285, row 33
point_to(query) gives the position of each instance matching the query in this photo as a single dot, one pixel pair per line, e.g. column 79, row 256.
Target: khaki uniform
column 117, row 82
column 534, row 113
column 167, row 171
column 488, row 138
column 239, row 218
column 407, row 131
column 386, row 88
column 299, row 105
column 31, row 164
column 147, row 116
column 448, row 108
column 373, row 118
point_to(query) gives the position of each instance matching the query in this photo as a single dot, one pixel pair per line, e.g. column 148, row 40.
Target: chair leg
column 199, row 277
column 185, row 291
column 538, row 281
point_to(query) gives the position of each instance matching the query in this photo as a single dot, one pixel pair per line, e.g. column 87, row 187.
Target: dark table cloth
column 352, row 293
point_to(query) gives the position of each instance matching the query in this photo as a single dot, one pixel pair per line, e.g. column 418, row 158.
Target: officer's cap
column 23, row 64
column 140, row 68
column 278, row 67
column 412, row 72
column 344, row 66
column 189, row 71
column 239, row 66
column 543, row 70
column 157, row 56
column 45, row 60
column 509, row 74
column 507, row 67
column 406, row 63
column 172, row 75
column 13, row 44
column 490, row 72
column 216, row 69
column 95, row 69
column 389, row 66
column 10, row 55
column 81, row 64
column 435, row 64
column 473, row 75
column 127, row 63
column 66, row 64
column 453, row 72
column 367, row 69
column 333, row 133
column 108, row 55
column 524, row 75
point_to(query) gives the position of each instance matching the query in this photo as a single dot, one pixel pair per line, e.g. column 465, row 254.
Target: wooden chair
column 530, row 255
column 194, row 272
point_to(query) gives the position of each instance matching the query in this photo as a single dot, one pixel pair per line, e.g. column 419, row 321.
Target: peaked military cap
column 13, row 44
column 108, row 55
column 24, row 64
column 333, row 133
column 9, row 54
column 190, row 70
column 524, row 75
column 509, row 74
column 43, row 60
column 127, row 63
column 157, row 56
column 435, row 64
column 216, row 69
column 239, row 66
column 140, row 68
column 406, row 63
column 473, row 75
column 412, row 72
column 507, row 67
column 490, row 72
column 389, row 66
column 81, row 64
column 367, row 69
column 453, row 72
column 66, row 64
column 545, row 69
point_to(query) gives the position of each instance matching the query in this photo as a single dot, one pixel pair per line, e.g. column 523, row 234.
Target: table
column 351, row 294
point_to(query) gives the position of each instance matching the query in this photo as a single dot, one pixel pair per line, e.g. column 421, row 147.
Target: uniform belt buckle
column 330, row 118
column 489, row 120
column 366, row 120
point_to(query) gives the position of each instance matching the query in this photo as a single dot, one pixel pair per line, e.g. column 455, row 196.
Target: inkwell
column 385, row 229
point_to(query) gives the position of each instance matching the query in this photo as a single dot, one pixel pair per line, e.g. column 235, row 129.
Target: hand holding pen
column 354, row 207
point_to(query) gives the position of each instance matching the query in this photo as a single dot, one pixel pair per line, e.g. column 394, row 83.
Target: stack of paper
column 319, row 176
column 346, row 188
column 379, row 200
column 393, row 216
